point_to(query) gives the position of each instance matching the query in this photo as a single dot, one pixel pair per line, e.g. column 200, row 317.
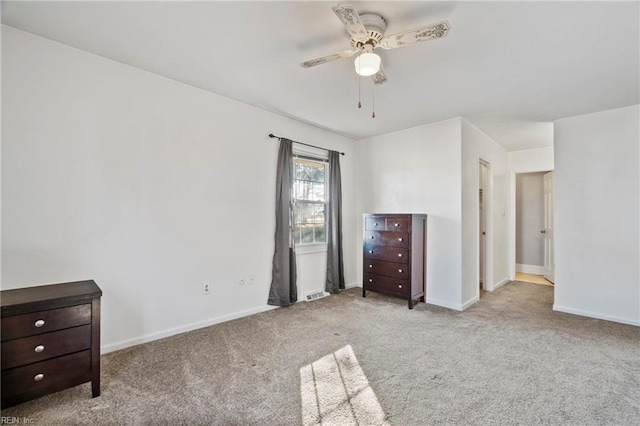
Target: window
column 310, row 198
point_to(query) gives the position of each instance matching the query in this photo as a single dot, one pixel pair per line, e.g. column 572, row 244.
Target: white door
column 547, row 231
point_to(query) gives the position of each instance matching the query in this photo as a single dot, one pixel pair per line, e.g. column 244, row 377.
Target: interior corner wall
column 418, row 171
column 478, row 146
column 597, row 194
column 149, row 186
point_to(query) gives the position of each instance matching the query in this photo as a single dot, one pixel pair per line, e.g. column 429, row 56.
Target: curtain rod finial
column 271, row 135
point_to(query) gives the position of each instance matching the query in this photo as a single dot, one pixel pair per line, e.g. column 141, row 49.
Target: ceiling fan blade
column 329, row 58
column 379, row 77
column 428, row 32
column 351, row 20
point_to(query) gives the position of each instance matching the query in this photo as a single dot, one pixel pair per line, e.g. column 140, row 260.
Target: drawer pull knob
column 39, row 348
column 38, row 377
column 370, row 280
column 396, row 224
column 371, row 237
column 399, row 239
column 370, row 266
column 399, row 285
column 39, row 323
column 399, row 254
column 370, row 251
column 400, row 270
column 375, row 223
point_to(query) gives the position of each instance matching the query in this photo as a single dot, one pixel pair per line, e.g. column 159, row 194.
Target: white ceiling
column 511, row 68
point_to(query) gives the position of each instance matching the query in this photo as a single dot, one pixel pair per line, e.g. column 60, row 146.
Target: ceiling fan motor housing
column 375, row 26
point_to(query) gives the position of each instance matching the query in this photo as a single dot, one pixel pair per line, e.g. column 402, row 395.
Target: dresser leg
column 422, row 299
column 364, row 292
column 95, row 387
column 410, row 303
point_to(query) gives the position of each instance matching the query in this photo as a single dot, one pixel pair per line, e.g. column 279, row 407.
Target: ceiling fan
column 367, row 34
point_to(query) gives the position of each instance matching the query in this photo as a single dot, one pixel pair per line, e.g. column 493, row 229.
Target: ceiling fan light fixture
column 367, row 64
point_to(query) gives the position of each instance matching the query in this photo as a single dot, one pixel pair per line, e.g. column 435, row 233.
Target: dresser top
column 12, row 299
column 396, row 214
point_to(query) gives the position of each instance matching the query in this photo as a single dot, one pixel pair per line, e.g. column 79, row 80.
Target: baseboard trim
column 499, row 284
column 529, row 269
column 183, row 329
column 444, row 304
column 352, row 285
column 468, row 303
column 595, row 315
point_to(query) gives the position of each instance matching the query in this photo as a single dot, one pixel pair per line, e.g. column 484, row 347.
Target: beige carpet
column 507, row 360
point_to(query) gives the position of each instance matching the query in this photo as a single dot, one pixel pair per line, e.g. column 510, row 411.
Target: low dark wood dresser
column 50, row 340
column 394, row 248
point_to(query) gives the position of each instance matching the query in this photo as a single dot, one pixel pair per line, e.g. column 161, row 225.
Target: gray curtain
column 335, row 268
column 283, row 290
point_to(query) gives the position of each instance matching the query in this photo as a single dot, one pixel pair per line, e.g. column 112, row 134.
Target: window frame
column 315, row 246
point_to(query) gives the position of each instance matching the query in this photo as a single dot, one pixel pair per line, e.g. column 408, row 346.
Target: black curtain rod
column 271, row 135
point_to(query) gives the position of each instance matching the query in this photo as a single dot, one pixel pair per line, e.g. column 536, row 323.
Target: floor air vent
column 315, row 295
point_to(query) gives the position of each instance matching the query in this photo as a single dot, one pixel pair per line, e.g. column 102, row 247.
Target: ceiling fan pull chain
column 373, row 100
column 359, row 97
column 359, row 102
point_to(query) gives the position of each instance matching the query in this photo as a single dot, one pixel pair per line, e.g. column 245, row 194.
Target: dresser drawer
column 41, row 376
column 375, row 224
column 44, row 346
column 392, row 254
column 397, row 224
column 390, row 269
column 45, row 321
column 387, row 238
column 387, row 284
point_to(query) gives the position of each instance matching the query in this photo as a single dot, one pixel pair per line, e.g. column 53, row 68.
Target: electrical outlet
column 206, row 288
column 242, row 281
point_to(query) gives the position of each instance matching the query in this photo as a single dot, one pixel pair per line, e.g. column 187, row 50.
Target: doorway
column 534, row 227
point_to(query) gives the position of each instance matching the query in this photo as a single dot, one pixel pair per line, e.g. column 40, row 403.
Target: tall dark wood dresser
column 50, row 340
column 394, row 248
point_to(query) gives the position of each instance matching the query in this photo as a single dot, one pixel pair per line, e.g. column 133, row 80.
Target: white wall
column 478, row 146
column 597, row 192
column 529, row 222
column 418, row 171
column 531, row 160
column 524, row 161
column 146, row 185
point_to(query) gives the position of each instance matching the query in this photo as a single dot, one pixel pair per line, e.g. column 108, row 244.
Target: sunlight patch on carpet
column 335, row 391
